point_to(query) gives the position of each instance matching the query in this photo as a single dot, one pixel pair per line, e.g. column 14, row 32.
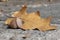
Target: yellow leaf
column 32, row 20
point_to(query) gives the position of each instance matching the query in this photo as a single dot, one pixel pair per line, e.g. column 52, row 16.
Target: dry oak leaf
column 35, row 21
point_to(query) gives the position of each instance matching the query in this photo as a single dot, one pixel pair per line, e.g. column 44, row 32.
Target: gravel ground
column 46, row 9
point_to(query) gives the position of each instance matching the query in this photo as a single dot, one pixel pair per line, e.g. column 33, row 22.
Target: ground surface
column 46, row 9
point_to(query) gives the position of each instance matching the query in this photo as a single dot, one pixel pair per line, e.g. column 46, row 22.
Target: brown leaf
column 35, row 21
column 30, row 21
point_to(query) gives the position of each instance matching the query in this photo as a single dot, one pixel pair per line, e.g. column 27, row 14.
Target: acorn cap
column 19, row 22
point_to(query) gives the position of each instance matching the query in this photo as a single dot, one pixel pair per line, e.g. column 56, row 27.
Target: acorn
column 13, row 22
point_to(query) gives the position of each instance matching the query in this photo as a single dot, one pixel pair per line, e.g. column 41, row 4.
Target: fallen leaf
column 30, row 21
column 35, row 21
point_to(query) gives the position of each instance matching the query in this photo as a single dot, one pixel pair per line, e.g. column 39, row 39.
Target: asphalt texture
column 46, row 9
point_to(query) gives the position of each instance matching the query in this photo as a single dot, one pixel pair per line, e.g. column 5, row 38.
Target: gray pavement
column 46, row 9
